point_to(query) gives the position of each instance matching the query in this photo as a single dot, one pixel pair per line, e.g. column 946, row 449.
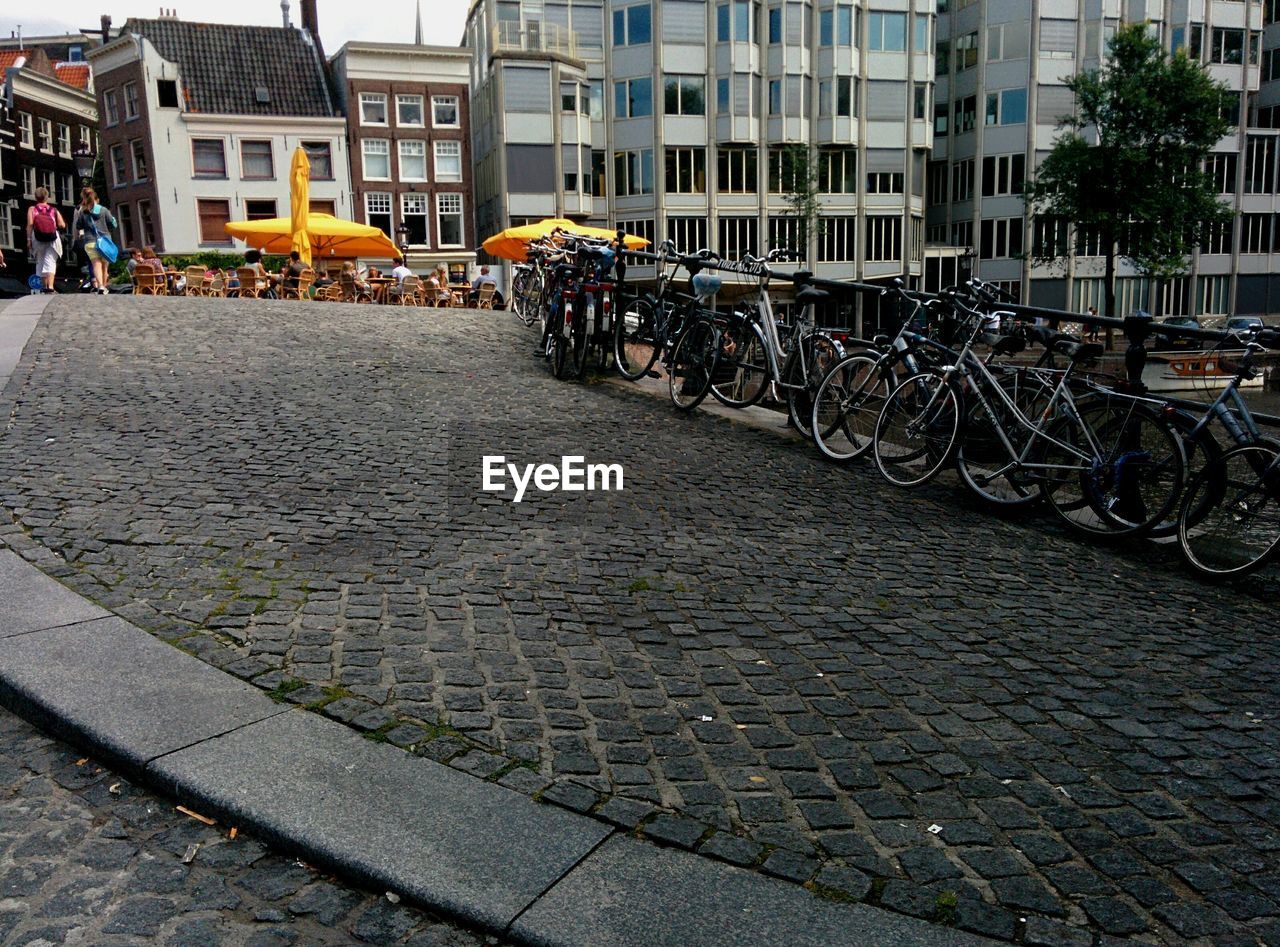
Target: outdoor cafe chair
column 484, row 299
column 252, row 286
column 300, row 291
column 351, row 292
column 406, row 294
column 215, row 287
column 147, row 282
column 195, row 281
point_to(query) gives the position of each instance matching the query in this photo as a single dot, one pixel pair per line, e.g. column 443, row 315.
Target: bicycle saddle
column 1077, row 351
column 811, row 295
column 706, row 285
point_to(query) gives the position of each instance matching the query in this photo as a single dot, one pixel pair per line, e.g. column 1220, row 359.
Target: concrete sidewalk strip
column 17, row 321
column 31, row 601
column 112, row 686
column 629, row 892
column 463, row 847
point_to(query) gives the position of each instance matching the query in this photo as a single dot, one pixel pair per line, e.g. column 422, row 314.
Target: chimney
column 284, row 12
column 106, row 29
column 311, row 23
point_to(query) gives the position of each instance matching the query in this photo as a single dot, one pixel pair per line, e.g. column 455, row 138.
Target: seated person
column 483, row 279
column 152, row 259
column 349, row 270
column 293, row 270
column 253, row 260
column 400, row 271
column 135, row 257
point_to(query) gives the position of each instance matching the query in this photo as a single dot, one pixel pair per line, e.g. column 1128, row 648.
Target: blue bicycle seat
column 706, row 285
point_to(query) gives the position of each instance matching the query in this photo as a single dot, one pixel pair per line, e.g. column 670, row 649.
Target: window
column 789, row 233
column 917, row 239
column 639, row 228
column 738, row 237
column 736, row 171
column 413, row 160
column 139, row 159
column 1049, row 237
column 64, row 140
column 568, row 97
column 124, row 214
column 1217, row 237
column 689, row 234
column 775, row 96
column 1007, row 108
column 329, row 207
column 377, row 210
column 146, row 224
column 28, row 182
column 775, row 25
column 25, row 135
column 936, row 187
column 633, row 172
column 373, row 108
column 1256, row 233
column 887, row 32
column 449, row 219
column 1088, row 241
column 208, row 158
column 413, row 214
column 884, row 239
column 49, row 184
column 966, row 111
column 836, row 27
column 448, row 160
column 444, row 111
column 921, row 44
column 167, row 93
column 67, row 189
column 1215, row 294
column 1221, row 168
column 885, row 182
column 599, row 174
column 596, row 100
column 321, row 157
column 966, row 51
column 632, row 26
column 685, row 95
column 1000, row 238
column 213, row 217
column 633, row 98
column 1003, row 174
column 1228, row 46
column 377, row 159
column 920, row 93
column 941, row 119
column 838, row 171
column 112, row 106
column 942, row 57
column 130, row 101
column 1260, row 165
column 1010, row 41
column 733, row 22
column 119, row 170
column 786, row 169
column 838, row 240
column 255, row 160
column 44, row 135
column 409, row 110
column 686, row 170
column 262, row 209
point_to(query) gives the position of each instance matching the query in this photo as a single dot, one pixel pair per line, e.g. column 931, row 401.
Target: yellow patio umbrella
column 513, row 243
column 326, row 236
column 300, row 203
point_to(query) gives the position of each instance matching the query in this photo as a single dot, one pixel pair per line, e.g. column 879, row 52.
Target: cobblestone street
column 90, row 858
column 748, row 651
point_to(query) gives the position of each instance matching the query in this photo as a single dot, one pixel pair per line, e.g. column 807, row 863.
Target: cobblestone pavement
column 748, row 651
column 87, row 857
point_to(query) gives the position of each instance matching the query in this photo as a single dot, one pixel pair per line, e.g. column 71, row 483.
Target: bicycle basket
column 706, row 285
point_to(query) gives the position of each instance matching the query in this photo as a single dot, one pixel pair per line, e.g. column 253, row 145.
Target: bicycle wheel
column 742, row 375
column 1236, row 503
column 821, row 355
column 846, row 406
column 520, row 303
column 1116, row 471
column 635, row 339
column 557, row 344
column 1199, row 452
column 984, row 463
column 693, row 363
column 580, row 333
column 916, row 430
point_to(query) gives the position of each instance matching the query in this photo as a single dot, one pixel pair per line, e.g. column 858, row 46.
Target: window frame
column 244, row 165
column 196, row 173
column 138, row 146
column 44, row 135
column 403, row 98
column 314, row 146
column 220, row 240
column 364, row 158
column 129, row 92
column 442, row 176
column 438, row 101
column 440, row 215
column 374, row 98
column 402, row 146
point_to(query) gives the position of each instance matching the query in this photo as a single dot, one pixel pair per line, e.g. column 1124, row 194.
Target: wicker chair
column 351, row 292
column 252, row 286
column 195, row 281
column 484, row 299
column 330, row 294
column 215, row 287
column 405, row 294
column 147, row 282
column 302, row 289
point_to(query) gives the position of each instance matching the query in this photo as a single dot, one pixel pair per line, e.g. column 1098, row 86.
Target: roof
column 10, row 56
column 73, row 73
column 242, row 70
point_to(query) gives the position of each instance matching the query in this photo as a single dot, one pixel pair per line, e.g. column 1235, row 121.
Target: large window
column 887, row 32
column 633, row 98
column 373, row 108
column 413, row 214
column 1217, row 237
column 738, row 237
column 1256, row 233
column 256, row 163
column 599, row 174
column 377, row 210
column 444, row 111
column 213, row 217
column 685, row 95
column 1260, row 165
column 838, row 240
column 1000, row 238
column 966, row 112
column 1009, row 41
column 736, row 171
column 111, row 104
column 26, row 137
column 377, row 159
column 413, row 160
column 1228, row 46
column 966, row 48
column 884, row 239
column 260, row 209
column 131, row 100
column 885, row 182
column 124, row 214
column 633, row 172
column 409, row 111
column 921, row 43
column 120, row 168
column 632, row 26
column 836, row 26
column 1007, row 108
column 449, row 219
column 689, row 234
column 146, row 225
column 962, row 180
column 320, row 154
column 208, row 158
column 44, row 135
column 838, row 171
column 733, row 21
column 64, row 141
column 139, row 148
column 686, row 170
column 448, row 160
column 1003, row 174
column 844, row 100
column 1221, row 168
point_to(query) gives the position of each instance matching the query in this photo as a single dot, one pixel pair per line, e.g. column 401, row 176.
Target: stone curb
column 457, row 845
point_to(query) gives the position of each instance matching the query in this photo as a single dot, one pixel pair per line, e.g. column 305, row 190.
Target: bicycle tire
column 982, row 460
column 1199, row 452
column 917, row 430
column 1240, row 530
column 557, row 344
column 743, row 348
column 846, row 406
column 579, row 335
column 692, row 364
column 1130, row 478
column 635, row 339
column 823, row 353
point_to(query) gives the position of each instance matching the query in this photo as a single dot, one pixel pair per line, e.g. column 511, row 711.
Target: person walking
column 92, row 221
column 1093, row 327
column 44, row 237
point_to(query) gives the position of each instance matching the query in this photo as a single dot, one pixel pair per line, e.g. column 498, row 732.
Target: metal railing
column 534, row 36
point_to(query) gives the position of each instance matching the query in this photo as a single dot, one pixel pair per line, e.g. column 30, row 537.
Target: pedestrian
column 44, row 227
column 1093, row 326
column 92, row 222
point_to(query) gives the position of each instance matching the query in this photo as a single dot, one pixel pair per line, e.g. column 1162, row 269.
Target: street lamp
column 403, row 233
column 85, row 160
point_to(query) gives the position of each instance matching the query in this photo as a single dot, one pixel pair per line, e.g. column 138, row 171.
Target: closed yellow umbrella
column 326, row 236
column 300, row 203
column 513, row 243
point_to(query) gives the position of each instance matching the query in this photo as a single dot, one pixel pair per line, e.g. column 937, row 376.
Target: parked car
column 1244, row 326
column 1169, row 340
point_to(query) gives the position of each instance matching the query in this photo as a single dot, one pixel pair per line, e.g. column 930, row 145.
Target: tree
column 1129, row 164
column 799, row 186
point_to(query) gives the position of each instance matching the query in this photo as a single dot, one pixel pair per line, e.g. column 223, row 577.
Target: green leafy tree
column 799, row 187
column 1129, row 164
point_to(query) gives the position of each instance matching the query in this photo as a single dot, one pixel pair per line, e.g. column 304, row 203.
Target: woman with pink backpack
column 44, row 226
